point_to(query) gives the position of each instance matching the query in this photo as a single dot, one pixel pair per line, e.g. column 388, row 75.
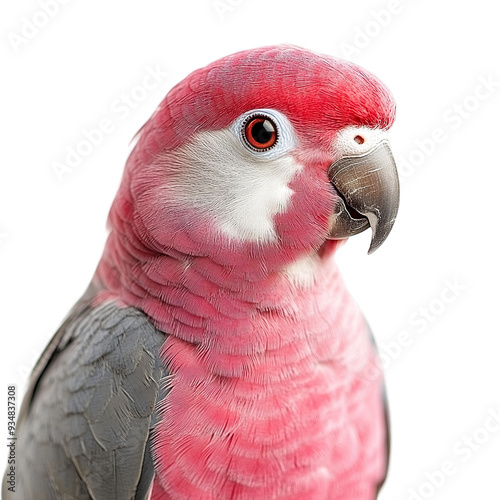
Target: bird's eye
column 265, row 133
column 260, row 132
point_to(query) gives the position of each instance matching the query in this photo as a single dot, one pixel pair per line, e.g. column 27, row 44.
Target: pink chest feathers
column 301, row 419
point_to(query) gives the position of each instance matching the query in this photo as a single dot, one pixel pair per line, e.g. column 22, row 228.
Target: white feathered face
column 243, row 178
column 239, row 176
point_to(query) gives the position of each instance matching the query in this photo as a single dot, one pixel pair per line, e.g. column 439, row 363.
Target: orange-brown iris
column 260, row 132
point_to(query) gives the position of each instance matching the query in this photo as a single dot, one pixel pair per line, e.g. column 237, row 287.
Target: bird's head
column 267, row 153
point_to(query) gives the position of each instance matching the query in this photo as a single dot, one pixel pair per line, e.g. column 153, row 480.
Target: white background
column 443, row 384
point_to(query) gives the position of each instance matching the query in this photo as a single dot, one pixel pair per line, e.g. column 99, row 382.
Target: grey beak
column 368, row 186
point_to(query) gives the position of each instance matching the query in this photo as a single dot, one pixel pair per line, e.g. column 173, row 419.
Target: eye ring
column 260, row 132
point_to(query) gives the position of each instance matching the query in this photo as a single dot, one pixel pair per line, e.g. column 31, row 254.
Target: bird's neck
column 199, row 300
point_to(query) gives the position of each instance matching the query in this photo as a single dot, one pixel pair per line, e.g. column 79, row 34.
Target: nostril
column 359, row 139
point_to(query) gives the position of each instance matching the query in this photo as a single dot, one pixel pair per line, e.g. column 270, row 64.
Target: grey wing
column 84, row 432
column 387, row 421
column 387, row 438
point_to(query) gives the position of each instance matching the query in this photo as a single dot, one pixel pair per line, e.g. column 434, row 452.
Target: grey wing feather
column 56, row 344
column 387, row 420
column 85, row 426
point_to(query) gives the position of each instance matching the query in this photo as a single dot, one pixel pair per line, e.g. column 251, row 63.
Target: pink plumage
column 276, row 391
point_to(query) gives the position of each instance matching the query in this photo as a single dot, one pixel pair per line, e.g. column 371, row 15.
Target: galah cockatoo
column 217, row 354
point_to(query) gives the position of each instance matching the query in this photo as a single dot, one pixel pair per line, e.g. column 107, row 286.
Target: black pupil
column 262, row 131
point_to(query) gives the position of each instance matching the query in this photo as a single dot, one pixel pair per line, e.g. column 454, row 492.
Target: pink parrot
column 217, row 354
